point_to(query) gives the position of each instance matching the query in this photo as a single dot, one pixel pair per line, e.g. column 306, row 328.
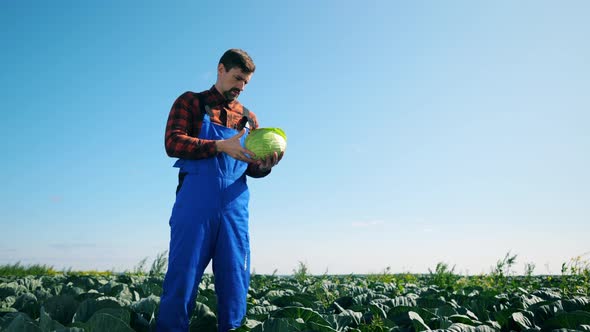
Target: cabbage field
column 440, row 300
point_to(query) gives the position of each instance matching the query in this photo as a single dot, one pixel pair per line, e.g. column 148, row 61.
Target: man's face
column 231, row 83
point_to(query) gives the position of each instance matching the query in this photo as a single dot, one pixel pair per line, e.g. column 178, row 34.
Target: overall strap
column 246, row 119
column 203, row 107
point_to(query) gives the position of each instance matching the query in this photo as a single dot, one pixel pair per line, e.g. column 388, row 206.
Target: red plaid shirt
column 185, row 120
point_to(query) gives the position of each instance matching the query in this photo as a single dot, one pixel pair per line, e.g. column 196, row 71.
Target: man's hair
column 237, row 58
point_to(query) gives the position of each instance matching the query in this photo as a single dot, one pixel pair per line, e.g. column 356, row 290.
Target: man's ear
column 220, row 69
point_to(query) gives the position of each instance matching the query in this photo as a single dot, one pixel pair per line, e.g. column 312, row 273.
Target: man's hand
column 269, row 162
column 233, row 147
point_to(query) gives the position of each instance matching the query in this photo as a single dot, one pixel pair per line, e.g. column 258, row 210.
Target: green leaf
column 261, row 312
column 150, row 288
column 208, row 297
column 46, row 323
column 405, row 301
column 120, row 313
column 297, row 300
column 7, row 302
column 247, row 325
column 463, row 319
column 71, row 329
column 467, row 312
column 526, row 300
column 479, row 306
column 276, row 293
column 430, row 302
column 61, row 308
column 125, row 295
column 31, row 283
column 27, row 303
column 576, row 303
column 73, row 291
column 547, row 294
column 355, row 317
column 203, row 319
column 378, row 310
column 92, row 294
column 12, row 289
column 319, row 327
column 279, row 325
column 408, row 317
column 21, row 323
column 90, row 306
column 418, row 322
column 445, row 311
column 303, row 314
column 441, row 323
column 522, row 319
column 3, row 311
column 146, row 305
column 400, row 314
column 459, row 327
column 568, row 320
column 363, row 300
column 503, row 317
column 339, row 321
column 493, row 324
column 344, row 302
column 100, row 322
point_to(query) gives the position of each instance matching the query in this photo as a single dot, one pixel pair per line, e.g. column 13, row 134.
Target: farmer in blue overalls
column 209, row 219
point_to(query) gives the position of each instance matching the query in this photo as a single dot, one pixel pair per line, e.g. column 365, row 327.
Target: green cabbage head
column 264, row 141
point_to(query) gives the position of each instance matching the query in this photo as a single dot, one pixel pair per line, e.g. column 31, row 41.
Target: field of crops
column 440, row 300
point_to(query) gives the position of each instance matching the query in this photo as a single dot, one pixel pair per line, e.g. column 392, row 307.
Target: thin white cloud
column 71, row 246
column 366, row 224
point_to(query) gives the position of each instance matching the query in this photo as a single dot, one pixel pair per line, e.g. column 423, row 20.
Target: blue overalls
column 209, row 221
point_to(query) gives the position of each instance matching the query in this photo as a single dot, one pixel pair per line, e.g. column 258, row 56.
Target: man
column 209, row 219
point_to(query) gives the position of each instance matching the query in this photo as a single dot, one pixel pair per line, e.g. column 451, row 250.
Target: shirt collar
column 216, row 98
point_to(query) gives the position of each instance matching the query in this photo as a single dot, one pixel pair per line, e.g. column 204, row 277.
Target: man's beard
column 229, row 94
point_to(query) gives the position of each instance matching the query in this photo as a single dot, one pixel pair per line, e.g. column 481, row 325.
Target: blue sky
column 419, row 132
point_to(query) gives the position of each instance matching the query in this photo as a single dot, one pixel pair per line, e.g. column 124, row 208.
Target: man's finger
column 241, row 133
column 250, row 153
column 245, row 156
